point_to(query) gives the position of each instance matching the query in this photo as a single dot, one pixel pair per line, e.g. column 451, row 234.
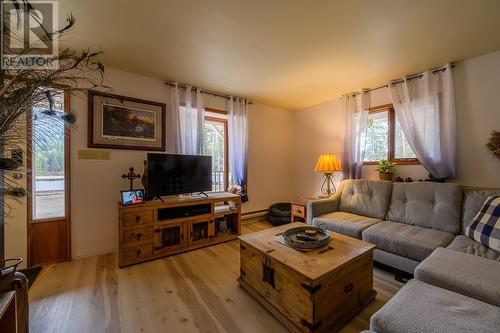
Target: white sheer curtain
column 173, row 138
column 238, row 142
column 191, row 122
column 185, row 121
column 356, row 108
column 425, row 108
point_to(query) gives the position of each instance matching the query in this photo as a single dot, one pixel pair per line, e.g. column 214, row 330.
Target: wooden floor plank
column 194, row 292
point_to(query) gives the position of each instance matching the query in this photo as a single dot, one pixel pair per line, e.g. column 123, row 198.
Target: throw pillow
column 485, row 226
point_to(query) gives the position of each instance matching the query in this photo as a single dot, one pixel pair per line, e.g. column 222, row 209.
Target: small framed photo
column 119, row 122
column 132, row 197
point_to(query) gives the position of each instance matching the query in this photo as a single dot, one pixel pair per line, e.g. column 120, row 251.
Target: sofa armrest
column 323, row 206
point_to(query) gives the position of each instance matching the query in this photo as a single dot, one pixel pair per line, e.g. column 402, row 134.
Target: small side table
column 299, row 209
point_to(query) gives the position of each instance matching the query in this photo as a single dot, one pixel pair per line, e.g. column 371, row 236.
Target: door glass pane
column 213, row 145
column 47, row 160
column 200, row 231
column 377, row 134
column 171, row 236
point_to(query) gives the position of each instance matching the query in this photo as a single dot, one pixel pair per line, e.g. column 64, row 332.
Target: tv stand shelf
column 157, row 229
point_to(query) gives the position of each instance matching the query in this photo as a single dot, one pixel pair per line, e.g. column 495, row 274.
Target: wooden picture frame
column 119, row 122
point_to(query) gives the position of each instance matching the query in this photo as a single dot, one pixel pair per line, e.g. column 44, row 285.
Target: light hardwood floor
column 195, row 291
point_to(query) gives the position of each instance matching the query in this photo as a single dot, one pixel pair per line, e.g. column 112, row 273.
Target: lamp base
column 328, row 187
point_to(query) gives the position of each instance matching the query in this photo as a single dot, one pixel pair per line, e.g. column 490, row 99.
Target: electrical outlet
column 88, row 154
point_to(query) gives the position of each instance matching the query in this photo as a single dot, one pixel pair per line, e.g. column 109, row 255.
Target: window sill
column 397, row 162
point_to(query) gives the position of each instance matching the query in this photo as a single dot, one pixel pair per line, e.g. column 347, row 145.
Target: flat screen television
column 171, row 174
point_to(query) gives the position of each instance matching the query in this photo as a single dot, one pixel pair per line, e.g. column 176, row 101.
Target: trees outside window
column 215, row 145
column 385, row 139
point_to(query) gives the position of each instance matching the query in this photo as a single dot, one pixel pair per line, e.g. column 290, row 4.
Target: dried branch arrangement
column 494, row 144
column 22, row 89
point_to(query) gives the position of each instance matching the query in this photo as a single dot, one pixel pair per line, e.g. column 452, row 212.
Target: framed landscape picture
column 120, row 122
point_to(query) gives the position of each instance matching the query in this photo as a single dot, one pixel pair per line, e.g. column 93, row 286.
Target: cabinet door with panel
column 201, row 231
column 170, row 237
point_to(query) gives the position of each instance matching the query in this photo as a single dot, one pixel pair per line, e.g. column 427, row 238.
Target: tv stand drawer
column 137, row 219
column 134, row 253
column 138, row 236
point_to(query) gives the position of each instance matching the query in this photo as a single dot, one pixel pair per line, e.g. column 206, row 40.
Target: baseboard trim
column 254, row 216
column 93, row 254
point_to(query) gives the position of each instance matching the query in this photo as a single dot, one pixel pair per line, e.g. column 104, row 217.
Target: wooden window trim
column 226, row 144
column 216, row 111
column 391, row 115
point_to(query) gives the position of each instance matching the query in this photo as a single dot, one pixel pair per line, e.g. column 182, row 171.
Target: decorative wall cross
column 131, row 176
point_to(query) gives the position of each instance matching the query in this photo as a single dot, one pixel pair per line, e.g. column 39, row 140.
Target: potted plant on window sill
column 386, row 170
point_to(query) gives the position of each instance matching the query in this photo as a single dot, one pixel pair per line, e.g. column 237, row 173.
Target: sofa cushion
column 425, row 204
column 395, row 261
column 473, row 201
column 485, row 226
column 420, row 307
column 464, row 244
column 462, row 273
column 366, row 197
column 406, row 240
column 345, row 223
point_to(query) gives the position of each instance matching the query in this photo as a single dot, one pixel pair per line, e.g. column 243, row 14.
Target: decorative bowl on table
column 306, row 238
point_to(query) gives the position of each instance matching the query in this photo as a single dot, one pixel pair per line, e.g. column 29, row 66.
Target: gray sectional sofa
column 407, row 221
column 418, row 228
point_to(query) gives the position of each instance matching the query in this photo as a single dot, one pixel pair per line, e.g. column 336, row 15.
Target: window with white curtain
column 385, row 139
column 215, row 144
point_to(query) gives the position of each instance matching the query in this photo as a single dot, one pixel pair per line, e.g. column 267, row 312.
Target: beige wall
column 477, row 85
column 477, row 96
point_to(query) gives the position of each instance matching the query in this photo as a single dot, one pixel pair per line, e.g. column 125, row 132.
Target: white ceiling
column 287, row 53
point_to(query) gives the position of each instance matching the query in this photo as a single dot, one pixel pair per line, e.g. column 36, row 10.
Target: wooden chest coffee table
column 316, row 291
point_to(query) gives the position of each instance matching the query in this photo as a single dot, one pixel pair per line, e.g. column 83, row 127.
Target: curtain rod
column 409, row 78
column 208, row 92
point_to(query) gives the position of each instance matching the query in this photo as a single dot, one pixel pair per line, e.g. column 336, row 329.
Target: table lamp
column 328, row 164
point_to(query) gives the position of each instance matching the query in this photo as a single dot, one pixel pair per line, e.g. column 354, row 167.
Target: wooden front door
column 49, row 233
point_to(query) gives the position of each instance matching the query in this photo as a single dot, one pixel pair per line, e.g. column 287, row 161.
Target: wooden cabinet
column 156, row 229
column 299, row 210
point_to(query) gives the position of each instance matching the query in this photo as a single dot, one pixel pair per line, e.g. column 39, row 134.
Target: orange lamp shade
column 327, row 163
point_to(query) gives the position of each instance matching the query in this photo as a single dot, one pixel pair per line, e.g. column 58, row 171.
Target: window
column 48, row 161
column 385, row 138
column 215, row 145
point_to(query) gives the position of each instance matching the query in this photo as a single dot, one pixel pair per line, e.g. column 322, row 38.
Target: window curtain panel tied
column 238, row 143
column 425, row 109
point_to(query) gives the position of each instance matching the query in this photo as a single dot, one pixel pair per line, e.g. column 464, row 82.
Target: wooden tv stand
column 157, row 229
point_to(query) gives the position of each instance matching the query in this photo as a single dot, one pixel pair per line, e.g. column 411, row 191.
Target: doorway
column 48, row 183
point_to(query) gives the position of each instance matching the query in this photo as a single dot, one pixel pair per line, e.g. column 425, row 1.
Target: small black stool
column 280, row 213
